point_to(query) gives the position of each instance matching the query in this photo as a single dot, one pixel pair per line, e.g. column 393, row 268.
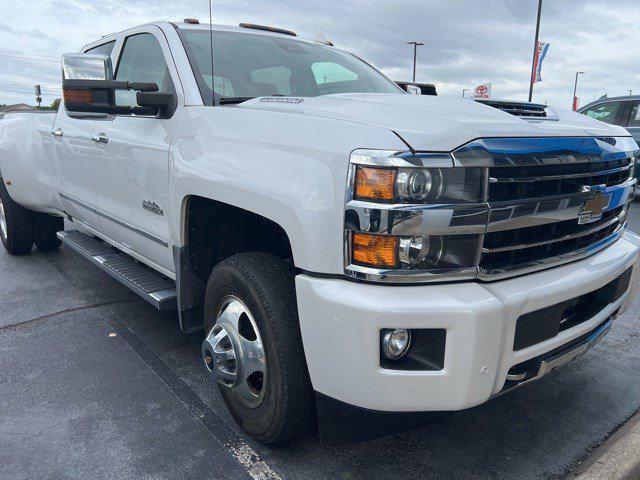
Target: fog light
column 396, row 342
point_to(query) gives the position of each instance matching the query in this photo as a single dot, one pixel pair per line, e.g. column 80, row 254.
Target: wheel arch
column 213, row 230
column 210, row 232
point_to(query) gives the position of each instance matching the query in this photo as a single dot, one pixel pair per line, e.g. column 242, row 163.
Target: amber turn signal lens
column 375, row 183
column 78, row 96
column 380, row 251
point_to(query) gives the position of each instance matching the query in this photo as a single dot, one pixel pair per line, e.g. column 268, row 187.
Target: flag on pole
column 541, row 53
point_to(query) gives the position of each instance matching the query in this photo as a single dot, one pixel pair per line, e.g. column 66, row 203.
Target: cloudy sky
column 467, row 41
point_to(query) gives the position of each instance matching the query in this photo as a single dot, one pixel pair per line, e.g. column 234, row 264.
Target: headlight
column 429, row 252
column 380, row 251
column 412, row 216
column 417, row 185
column 375, row 184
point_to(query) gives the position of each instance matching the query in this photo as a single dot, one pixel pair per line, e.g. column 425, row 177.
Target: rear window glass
column 272, row 80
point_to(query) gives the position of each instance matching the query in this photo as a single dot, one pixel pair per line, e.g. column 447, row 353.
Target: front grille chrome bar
column 564, row 238
column 548, row 262
column 548, row 178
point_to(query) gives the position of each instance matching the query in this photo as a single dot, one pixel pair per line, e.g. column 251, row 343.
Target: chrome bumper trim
column 552, row 362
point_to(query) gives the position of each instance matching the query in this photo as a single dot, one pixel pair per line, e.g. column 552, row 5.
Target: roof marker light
column 268, row 29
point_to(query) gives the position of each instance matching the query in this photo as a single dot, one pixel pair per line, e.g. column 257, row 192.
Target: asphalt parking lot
column 96, row 384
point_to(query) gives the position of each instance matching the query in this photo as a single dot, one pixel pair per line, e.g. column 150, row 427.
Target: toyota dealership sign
column 482, row 92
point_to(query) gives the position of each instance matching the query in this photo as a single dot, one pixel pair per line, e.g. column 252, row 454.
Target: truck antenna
column 213, row 93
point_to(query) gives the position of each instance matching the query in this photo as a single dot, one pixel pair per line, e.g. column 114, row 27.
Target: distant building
column 19, row 107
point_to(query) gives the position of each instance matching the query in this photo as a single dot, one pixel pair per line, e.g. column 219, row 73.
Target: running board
column 156, row 289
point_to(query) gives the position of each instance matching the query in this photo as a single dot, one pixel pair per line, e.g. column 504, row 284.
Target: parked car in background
column 622, row 111
column 418, row 88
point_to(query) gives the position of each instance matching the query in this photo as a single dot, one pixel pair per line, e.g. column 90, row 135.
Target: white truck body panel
column 340, row 321
column 288, row 162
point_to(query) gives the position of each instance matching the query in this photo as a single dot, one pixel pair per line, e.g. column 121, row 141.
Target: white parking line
column 249, row 459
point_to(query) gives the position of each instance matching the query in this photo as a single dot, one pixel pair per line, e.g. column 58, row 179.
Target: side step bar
column 156, row 289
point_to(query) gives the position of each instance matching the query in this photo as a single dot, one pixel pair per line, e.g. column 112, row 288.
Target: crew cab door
column 132, row 163
column 73, row 154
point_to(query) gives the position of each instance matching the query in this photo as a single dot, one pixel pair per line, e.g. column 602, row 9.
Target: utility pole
column 464, row 91
column 535, row 51
column 415, row 55
column 38, row 95
column 575, row 90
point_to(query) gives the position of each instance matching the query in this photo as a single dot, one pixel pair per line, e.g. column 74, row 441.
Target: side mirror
column 86, row 66
column 413, row 89
column 88, row 87
column 162, row 102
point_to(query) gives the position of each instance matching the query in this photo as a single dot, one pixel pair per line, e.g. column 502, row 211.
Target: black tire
column 265, row 284
column 46, row 227
column 19, row 236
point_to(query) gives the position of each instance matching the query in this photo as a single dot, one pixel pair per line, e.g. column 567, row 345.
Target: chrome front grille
column 552, row 200
column 544, row 202
column 535, row 244
column 534, row 181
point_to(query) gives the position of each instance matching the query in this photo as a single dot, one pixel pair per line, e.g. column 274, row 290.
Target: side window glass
column 634, row 120
column 142, row 60
column 272, row 80
column 328, row 72
column 104, row 49
column 605, row 112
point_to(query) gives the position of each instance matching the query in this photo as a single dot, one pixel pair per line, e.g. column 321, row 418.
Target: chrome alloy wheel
column 233, row 352
column 3, row 220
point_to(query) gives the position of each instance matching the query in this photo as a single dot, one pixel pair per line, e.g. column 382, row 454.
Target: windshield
column 250, row 65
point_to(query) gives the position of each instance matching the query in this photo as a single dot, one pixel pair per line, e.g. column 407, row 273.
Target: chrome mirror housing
column 86, row 66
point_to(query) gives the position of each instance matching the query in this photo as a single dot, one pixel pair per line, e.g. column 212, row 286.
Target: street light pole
column 575, row 90
column 535, row 51
column 415, row 55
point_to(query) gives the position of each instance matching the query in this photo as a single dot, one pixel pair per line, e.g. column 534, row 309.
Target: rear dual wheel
column 253, row 347
column 20, row 228
column 16, row 225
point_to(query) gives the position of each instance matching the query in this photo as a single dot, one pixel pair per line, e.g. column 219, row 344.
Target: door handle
column 100, row 138
column 57, row 132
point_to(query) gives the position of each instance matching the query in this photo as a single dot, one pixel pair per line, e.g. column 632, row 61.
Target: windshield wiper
column 233, row 100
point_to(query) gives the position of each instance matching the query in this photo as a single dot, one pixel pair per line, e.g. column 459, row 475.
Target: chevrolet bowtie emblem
column 594, row 204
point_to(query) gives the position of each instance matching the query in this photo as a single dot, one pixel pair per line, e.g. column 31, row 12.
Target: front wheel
column 16, row 224
column 253, row 347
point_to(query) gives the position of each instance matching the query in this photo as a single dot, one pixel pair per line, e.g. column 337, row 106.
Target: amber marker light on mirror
column 375, row 183
column 379, row 251
column 78, row 96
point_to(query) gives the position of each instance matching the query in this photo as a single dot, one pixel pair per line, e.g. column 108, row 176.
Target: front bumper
column 341, row 320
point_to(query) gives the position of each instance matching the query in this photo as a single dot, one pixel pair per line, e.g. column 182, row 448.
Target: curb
column 616, row 459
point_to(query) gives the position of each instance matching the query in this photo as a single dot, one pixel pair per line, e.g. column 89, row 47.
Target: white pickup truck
column 354, row 254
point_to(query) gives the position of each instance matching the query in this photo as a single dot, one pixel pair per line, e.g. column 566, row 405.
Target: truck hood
column 434, row 123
